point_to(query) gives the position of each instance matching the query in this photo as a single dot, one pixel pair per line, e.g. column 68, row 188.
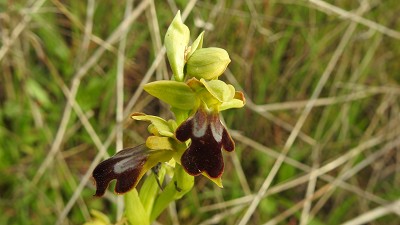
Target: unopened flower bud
column 207, row 63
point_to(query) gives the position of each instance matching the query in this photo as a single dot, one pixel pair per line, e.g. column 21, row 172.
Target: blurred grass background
column 317, row 143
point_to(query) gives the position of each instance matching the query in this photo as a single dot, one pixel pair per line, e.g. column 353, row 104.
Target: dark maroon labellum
column 125, row 166
column 208, row 137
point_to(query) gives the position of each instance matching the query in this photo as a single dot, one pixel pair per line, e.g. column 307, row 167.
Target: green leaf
column 37, row 92
column 177, row 94
column 176, row 41
column 50, row 35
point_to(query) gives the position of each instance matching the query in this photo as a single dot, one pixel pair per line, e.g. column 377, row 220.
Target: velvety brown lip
column 125, row 167
column 208, row 136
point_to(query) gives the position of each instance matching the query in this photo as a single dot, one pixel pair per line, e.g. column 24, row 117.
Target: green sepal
column 197, row 44
column 176, row 41
column 207, row 63
column 181, row 114
column 177, row 94
column 158, row 126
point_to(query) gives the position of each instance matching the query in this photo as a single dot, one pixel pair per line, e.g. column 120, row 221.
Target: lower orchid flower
column 129, row 165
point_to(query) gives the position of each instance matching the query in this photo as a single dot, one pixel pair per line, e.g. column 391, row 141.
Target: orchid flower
column 196, row 138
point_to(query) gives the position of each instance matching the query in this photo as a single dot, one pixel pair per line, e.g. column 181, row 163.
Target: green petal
column 177, row 94
column 238, row 101
column 159, row 143
column 219, row 89
column 172, row 124
column 158, row 126
column 176, row 41
column 195, row 84
column 234, row 103
column 203, row 93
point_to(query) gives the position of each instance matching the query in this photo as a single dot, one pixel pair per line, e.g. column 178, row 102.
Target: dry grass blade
column 119, row 107
column 321, row 102
column 356, row 18
column 372, row 215
column 20, row 27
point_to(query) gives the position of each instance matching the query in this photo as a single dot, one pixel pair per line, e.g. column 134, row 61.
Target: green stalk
column 180, row 184
column 149, row 190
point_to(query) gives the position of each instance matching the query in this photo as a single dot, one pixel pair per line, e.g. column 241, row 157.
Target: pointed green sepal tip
column 217, row 181
column 197, row 44
column 176, row 41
